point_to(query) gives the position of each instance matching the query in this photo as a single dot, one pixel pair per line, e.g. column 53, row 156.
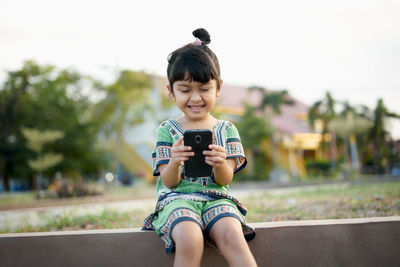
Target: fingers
column 215, row 151
column 216, row 156
column 179, row 152
column 178, row 147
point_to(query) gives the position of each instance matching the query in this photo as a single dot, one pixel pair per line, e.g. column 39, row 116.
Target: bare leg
column 189, row 243
column 228, row 235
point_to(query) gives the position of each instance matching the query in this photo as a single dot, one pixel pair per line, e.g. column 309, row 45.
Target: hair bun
column 203, row 35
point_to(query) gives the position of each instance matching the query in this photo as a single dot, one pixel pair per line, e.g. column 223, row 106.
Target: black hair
column 194, row 62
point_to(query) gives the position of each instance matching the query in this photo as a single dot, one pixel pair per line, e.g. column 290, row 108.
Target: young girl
column 191, row 209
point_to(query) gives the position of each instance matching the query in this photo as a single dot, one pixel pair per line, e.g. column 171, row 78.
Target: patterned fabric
column 177, row 215
column 211, row 215
column 198, row 189
column 225, row 134
column 203, row 213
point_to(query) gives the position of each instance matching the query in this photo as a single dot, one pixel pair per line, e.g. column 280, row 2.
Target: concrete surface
column 344, row 242
column 16, row 219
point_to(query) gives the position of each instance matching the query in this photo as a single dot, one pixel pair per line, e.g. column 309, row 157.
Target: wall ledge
column 339, row 242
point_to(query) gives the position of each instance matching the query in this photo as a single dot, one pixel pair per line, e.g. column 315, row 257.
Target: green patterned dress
column 197, row 199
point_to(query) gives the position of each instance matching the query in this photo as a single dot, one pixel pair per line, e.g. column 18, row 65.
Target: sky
column 350, row 48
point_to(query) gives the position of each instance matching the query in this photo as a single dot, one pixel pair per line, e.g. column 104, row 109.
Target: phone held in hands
column 199, row 140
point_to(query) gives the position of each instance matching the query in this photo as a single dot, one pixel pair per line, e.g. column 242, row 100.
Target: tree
column 14, row 99
column 270, row 104
column 124, row 106
column 272, row 99
column 36, row 141
column 356, row 125
column 254, row 129
column 348, row 126
column 380, row 136
column 44, row 97
column 125, row 101
column 323, row 112
column 256, row 125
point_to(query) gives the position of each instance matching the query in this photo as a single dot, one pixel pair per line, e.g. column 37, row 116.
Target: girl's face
column 194, row 99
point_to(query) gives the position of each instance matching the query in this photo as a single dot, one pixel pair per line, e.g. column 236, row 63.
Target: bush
column 318, row 167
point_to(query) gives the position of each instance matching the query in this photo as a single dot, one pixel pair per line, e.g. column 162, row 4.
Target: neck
column 205, row 123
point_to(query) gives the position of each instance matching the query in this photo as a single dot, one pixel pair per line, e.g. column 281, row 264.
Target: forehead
column 192, row 83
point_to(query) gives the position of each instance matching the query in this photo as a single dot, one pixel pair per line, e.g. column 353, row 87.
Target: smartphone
column 199, row 140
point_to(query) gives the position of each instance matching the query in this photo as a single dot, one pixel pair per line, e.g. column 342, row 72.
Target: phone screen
column 199, row 140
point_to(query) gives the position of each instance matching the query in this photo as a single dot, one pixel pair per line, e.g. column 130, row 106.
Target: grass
column 107, row 219
column 17, row 198
column 304, row 203
column 327, row 202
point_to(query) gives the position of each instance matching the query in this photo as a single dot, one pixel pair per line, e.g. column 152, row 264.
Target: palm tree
column 380, row 135
column 253, row 130
column 273, row 99
column 348, row 126
column 270, row 104
column 324, row 111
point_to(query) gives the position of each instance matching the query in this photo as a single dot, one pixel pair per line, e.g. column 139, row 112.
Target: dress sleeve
column 162, row 149
column 234, row 147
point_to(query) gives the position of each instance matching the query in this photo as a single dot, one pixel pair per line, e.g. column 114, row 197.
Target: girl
column 191, row 209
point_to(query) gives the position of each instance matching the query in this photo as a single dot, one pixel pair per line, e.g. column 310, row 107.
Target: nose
column 195, row 96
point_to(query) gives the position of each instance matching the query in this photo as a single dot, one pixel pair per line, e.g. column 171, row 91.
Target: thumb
column 179, row 142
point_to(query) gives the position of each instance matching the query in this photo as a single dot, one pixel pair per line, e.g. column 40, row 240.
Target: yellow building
column 296, row 140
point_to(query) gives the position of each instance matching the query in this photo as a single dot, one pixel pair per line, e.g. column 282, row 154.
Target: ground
column 127, row 207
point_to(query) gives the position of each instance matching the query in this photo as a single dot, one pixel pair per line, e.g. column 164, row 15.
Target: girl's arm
column 223, row 168
column 170, row 173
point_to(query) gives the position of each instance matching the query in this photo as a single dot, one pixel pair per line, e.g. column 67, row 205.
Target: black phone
column 199, row 140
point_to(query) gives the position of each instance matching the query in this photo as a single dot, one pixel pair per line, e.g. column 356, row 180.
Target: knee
column 188, row 241
column 231, row 236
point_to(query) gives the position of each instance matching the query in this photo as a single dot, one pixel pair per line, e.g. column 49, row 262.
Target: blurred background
column 313, row 87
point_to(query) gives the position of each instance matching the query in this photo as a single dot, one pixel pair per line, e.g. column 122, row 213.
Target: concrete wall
column 350, row 242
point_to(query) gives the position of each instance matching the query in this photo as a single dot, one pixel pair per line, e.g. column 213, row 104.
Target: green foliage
column 43, row 97
column 272, row 99
column 350, row 124
column 45, row 161
column 253, row 128
column 379, row 135
column 318, row 167
column 358, row 126
column 322, row 111
column 36, row 140
column 125, row 104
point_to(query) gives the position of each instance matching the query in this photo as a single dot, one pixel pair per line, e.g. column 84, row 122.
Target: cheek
column 211, row 96
column 181, row 98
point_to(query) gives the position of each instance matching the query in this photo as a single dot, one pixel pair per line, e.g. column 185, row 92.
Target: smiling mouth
column 196, row 108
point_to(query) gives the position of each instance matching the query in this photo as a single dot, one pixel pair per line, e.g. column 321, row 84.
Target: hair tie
column 198, row 42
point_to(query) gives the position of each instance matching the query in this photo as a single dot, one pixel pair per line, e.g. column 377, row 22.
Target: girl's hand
column 216, row 156
column 180, row 153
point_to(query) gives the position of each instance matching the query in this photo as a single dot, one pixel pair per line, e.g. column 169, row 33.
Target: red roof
column 293, row 118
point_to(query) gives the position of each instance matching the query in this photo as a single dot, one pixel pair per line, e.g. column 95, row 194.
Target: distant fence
column 345, row 242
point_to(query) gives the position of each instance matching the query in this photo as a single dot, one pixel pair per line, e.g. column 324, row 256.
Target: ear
column 171, row 93
column 219, row 89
